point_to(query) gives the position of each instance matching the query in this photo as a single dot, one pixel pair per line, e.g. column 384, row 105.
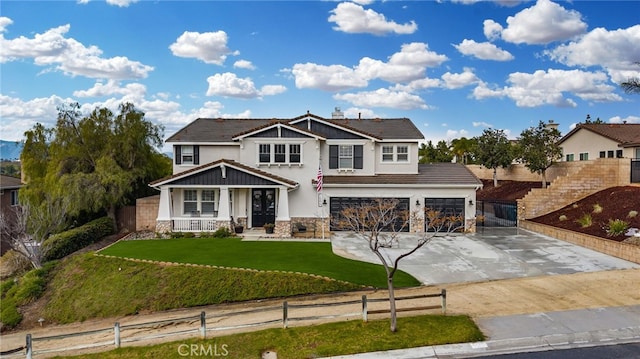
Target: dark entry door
column 263, row 207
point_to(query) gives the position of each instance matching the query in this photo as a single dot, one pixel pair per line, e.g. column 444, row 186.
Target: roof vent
column 337, row 114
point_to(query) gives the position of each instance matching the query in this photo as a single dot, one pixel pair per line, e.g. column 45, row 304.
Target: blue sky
column 454, row 67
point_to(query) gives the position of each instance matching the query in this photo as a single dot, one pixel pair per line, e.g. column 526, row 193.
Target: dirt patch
column 506, row 190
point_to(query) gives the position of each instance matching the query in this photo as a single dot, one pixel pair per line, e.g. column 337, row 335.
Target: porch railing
column 194, row 224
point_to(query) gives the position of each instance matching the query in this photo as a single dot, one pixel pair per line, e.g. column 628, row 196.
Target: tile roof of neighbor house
column 223, row 130
column 626, row 134
column 450, row 174
column 8, row 182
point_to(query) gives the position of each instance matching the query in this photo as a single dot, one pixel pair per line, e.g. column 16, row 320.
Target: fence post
column 285, row 314
column 29, row 346
column 203, row 325
column 443, row 294
column 116, row 334
column 364, row 308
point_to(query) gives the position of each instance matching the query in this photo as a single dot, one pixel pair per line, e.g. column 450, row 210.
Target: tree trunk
column 544, row 179
column 392, row 305
column 495, row 177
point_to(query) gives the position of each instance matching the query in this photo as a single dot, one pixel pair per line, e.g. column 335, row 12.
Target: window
column 403, row 154
column 387, row 153
column 345, row 156
column 265, row 153
column 294, row 153
column 619, row 154
column 610, row 154
column 14, row 198
column 190, row 202
column 584, row 156
column 280, row 153
column 603, row 154
column 208, row 203
column 188, row 155
column 569, row 157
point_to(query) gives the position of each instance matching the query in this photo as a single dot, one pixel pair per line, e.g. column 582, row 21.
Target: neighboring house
column 9, row 187
column 601, row 140
column 260, row 171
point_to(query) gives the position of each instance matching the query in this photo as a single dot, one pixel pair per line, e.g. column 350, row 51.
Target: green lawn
column 317, row 341
column 305, row 257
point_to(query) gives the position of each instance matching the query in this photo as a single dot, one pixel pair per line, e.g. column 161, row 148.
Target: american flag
column 319, row 180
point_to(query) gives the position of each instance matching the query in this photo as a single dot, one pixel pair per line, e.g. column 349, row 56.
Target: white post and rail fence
column 117, row 335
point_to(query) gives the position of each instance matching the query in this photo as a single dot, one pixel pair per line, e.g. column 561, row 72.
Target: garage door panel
column 337, row 204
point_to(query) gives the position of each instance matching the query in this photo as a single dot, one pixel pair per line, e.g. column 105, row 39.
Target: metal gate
column 635, row 171
column 497, row 213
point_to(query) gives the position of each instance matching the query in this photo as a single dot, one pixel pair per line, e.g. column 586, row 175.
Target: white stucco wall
column 585, row 141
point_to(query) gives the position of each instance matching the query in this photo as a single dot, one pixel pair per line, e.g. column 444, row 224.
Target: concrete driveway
column 490, row 254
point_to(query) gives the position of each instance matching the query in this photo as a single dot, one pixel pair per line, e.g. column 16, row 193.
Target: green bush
column 25, row 290
column 5, row 286
column 222, row 232
column 585, row 221
column 616, row 227
column 9, row 315
column 62, row 244
column 175, row 235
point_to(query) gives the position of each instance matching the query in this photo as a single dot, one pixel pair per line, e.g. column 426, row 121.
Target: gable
column 327, row 131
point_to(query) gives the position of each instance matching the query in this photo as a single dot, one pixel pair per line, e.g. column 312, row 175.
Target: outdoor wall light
column 471, row 202
column 324, row 202
column 418, row 202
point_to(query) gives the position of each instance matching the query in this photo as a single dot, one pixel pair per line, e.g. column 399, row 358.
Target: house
column 302, row 170
column 9, row 187
column 588, row 141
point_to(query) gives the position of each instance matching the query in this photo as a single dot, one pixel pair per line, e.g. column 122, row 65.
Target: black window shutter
column 177, row 155
column 196, row 155
column 357, row 157
column 333, row 156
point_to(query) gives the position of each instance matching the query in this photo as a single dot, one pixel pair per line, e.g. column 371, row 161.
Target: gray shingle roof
column 223, row 130
column 8, row 182
column 428, row 175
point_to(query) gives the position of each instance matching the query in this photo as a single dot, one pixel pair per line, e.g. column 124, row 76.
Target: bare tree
column 28, row 227
column 381, row 222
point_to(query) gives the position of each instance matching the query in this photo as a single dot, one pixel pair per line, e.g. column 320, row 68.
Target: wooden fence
column 116, row 335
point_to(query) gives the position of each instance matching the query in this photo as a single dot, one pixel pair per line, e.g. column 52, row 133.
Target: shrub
column 9, row 315
column 597, row 208
column 175, row 235
column 22, row 291
column 616, row 227
column 585, row 221
column 189, row 235
column 562, row 218
column 62, row 244
column 632, row 214
column 222, row 232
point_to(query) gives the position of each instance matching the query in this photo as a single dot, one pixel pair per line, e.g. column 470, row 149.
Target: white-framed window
column 569, row 157
column 345, row 156
column 279, row 153
column 392, row 153
column 187, row 155
column 584, row 156
column 190, row 201
column 14, row 198
column 208, row 202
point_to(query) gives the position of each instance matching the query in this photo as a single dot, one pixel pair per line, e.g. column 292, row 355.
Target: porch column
column 223, row 205
column 164, row 207
column 283, row 205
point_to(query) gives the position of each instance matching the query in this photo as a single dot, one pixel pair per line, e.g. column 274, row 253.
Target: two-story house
column 260, row 171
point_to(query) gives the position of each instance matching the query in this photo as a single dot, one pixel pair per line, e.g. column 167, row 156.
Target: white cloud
column 492, row 30
column 407, row 65
column 549, row 88
column 4, row 22
column 229, row 85
column 353, row 18
column 543, row 23
column 481, row 124
column 384, row 98
column 70, row 56
column 119, row 3
column 244, row 64
column 209, row 47
column 628, row 119
column 19, row 116
column 483, row 50
column 617, row 51
column 328, row 78
column 112, row 87
column 454, row 81
column 417, row 85
column 358, row 112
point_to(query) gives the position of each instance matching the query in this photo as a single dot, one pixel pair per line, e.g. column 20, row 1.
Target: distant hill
column 10, row 150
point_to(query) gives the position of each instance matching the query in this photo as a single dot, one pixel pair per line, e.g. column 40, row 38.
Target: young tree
column 538, row 149
column 97, row 162
column 462, row 148
column 381, row 222
column 493, row 150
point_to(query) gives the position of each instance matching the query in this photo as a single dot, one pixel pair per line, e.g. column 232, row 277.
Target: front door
column 263, row 207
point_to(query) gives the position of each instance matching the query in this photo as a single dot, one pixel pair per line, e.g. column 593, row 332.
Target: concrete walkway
column 491, row 254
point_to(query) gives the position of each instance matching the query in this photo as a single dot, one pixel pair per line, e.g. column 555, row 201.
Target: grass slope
column 311, row 258
column 317, row 341
column 86, row 286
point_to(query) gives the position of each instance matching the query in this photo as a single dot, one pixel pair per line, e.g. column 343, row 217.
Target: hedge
column 65, row 243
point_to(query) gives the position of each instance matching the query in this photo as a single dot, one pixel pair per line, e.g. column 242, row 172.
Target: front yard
column 309, row 258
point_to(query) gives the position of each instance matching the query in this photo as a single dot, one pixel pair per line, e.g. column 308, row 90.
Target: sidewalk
column 534, row 332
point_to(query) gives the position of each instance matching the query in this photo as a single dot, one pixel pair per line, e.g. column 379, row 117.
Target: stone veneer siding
column 626, row 251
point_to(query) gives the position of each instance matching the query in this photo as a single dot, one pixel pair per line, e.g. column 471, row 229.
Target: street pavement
column 501, row 253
